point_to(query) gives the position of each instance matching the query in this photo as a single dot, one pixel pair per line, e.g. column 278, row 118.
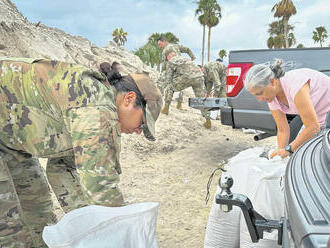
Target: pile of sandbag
column 261, row 180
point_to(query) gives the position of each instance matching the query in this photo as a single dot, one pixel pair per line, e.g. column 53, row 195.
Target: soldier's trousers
column 197, row 85
column 25, row 202
column 219, row 89
column 180, row 98
column 26, row 205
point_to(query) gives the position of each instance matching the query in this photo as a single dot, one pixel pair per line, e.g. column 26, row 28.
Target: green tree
column 285, row 9
column 320, row 34
column 209, row 12
column 300, row 45
column 277, row 37
column 119, row 36
column 170, row 37
column 150, row 53
column 222, row 53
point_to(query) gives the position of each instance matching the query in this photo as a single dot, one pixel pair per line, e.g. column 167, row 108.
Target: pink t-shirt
column 294, row 80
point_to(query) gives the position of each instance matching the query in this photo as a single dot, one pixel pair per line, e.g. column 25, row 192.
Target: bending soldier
column 177, row 49
column 215, row 76
column 182, row 73
column 55, row 109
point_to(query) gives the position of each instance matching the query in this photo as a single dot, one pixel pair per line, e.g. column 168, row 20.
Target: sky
column 243, row 25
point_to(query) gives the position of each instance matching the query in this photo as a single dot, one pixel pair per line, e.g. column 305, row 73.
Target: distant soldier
column 215, row 76
column 76, row 116
column 177, row 49
column 182, row 73
column 116, row 67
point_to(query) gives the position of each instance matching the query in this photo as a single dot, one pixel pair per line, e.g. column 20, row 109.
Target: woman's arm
column 283, row 133
column 308, row 116
column 283, row 129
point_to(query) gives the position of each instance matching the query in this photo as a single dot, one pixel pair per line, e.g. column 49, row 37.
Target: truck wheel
column 295, row 126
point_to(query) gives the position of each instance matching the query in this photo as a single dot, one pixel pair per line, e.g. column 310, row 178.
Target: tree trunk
column 209, row 45
column 285, row 24
column 203, row 45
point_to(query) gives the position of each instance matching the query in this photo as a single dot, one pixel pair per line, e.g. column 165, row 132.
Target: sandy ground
column 175, row 169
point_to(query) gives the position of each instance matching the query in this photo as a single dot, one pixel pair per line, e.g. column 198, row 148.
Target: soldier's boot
column 165, row 109
column 179, row 105
column 207, row 123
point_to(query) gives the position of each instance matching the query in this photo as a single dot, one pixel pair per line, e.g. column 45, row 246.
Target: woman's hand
column 279, row 152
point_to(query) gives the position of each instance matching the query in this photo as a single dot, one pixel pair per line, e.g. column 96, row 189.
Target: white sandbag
column 214, row 114
column 222, row 228
column 260, row 180
column 132, row 226
column 268, row 200
column 264, row 187
column 176, row 95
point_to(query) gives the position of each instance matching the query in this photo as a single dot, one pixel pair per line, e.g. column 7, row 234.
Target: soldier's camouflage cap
column 154, row 102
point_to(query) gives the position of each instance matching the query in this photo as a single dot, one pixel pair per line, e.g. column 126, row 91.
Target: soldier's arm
column 163, row 56
column 96, row 143
column 168, row 75
column 184, row 49
column 164, row 66
column 223, row 76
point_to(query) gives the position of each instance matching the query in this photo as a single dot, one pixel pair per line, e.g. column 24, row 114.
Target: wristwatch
column 288, row 149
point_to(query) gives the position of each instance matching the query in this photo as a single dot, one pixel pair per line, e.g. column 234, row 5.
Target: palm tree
column 210, row 14
column 202, row 21
column 320, row 34
column 119, row 36
column 284, row 9
column 270, row 42
column 213, row 21
column 222, row 53
column 277, row 38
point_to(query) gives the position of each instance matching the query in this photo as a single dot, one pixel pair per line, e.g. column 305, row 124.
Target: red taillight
column 235, row 75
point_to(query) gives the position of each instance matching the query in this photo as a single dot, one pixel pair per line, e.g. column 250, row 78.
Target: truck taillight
column 235, row 76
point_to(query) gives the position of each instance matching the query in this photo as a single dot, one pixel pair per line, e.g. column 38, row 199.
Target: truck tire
column 295, row 126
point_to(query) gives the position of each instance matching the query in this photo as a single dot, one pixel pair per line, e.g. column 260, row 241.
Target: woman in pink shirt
column 304, row 92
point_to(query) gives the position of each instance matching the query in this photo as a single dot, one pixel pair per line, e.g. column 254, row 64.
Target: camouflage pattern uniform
column 215, row 75
column 177, row 49
column 182, row 73
column 160, row 82
column 61, row 111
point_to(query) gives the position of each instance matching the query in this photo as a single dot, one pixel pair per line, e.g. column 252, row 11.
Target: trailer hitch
column 256, row 223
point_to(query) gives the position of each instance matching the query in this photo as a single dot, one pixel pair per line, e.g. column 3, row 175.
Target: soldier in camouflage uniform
column 75, row 116
column 177, row 49
column 215, row 75
column 182, row 73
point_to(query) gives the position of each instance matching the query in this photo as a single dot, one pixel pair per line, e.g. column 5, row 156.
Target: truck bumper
column 210, row 103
